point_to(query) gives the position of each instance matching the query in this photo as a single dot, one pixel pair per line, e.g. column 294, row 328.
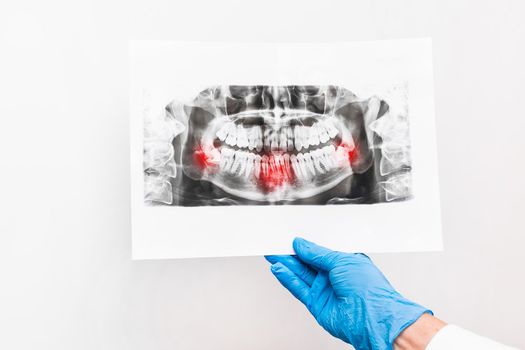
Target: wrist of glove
column 347, row 295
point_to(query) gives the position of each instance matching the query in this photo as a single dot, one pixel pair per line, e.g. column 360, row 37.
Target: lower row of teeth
column 303, row 166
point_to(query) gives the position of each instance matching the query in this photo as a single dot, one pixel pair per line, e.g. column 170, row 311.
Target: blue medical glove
column 347, row 295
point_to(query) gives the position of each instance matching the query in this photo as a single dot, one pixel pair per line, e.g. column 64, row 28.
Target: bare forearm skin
column 418, row 335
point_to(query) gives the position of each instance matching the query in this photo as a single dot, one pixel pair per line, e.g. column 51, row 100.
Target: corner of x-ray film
column 253, row 145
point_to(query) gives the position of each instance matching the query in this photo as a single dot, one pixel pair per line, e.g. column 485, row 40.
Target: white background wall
column 66, row 278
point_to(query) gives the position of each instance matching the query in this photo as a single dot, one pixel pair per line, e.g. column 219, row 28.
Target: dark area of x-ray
column 274, row 145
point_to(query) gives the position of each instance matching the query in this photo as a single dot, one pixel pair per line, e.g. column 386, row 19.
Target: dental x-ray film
column 237, row 148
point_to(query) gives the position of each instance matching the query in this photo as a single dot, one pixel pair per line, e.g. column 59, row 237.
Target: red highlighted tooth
column 204, row 158
column 353, row 155
column 276, row 175
column 352, row 151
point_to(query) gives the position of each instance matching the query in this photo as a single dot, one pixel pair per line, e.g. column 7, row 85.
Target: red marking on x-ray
column 353, row 154
column 275, row 178
column 203, row 158
column 352, row 151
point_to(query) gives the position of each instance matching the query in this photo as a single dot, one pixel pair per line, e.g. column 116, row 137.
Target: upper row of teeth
column 285, row 139
column 304, row 165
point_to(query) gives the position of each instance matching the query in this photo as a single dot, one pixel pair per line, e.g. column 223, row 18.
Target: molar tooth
column 226, row 159
column 223, row 161
column 302, row 165
column 257, row 132
column 243, row 157
column 329, row 150
column 325, row 162
column 329, row 156
column 257, row 166
column 323, row 133
column 332, row 155
column 341, row 157
column 264, row 165
column 331, row 129
column 317, row 157
column 313, row 135
column 222, row 133
column 249, row 164
column 215, row 156
column 236, row 163
column 232, row 135
column 242, row 136
column 309, row 163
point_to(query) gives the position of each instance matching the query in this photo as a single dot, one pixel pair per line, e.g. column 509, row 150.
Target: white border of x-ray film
column 162, row 71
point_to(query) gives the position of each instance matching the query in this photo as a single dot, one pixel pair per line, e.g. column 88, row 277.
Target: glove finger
column 319, row 257
column 272, row 259
column 320, row 292
column 301, row 270
column 290, row 281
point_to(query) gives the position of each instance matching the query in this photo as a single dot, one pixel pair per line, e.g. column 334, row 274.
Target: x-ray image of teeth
column 274, row 145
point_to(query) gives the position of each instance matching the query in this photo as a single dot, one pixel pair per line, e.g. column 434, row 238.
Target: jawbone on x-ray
column 274, row 145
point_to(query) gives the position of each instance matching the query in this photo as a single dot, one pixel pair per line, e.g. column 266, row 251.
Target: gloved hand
column 347, row 295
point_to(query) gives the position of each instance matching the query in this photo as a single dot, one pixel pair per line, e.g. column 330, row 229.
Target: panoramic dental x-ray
column 275, row 145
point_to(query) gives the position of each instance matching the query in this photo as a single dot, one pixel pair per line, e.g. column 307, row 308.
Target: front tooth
column 272, row 166
column 279, row 163
column 251, row 138
column 257, row 135
column 296, row 167
column 264, row 165
column 283, row 140
column 298, row 138
column 317, row 157
column 267, row 139
column 309, row 163
column 289, row 136
column 222, row 133
column 249, row 164
column 242, row 136
column 313, row 135
column 323, row 133
column 257, row 166
column 303, row 167
column 287, row 168
column 331, row 129
column 274, row 141
column 232, row 136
